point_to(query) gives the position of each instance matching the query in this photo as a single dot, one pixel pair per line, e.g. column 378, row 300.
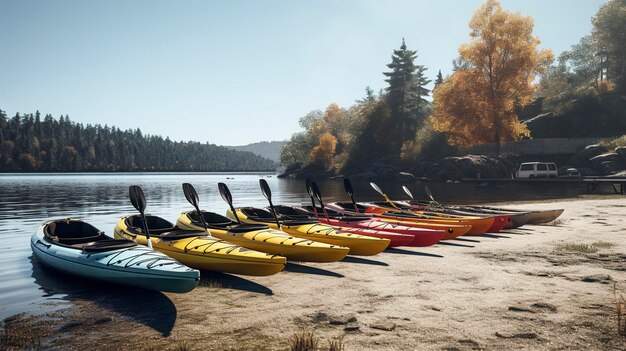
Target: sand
column 524, row 289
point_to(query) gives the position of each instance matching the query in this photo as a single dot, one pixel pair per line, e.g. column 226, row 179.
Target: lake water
column 101, row 199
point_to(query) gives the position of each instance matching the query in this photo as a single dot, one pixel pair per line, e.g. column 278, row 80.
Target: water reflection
column 150, row 308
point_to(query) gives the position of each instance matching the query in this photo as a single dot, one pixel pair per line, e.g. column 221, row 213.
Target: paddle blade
column 348, row 186
column 307, row 183
column 378, row 190
column 430, row 195
column 225, row 193
column 407, row 191
column 137, row 198
column 316, row 192
column 190, row 194
column 265, row 188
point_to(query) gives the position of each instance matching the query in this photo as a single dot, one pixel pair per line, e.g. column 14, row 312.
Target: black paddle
column 318, row 196
column 267, row 192
column 192, row 196
column 138, row 199
column 225, row 193
column 348, row 186
column 309, row 191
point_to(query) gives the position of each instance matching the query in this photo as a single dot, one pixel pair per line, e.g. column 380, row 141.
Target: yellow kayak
column 313, row 230
column 263, row 238
column 198, row 250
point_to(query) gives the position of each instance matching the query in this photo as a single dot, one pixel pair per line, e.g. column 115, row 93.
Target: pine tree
column 439, row 79
column 400, row 79
column 419, row 106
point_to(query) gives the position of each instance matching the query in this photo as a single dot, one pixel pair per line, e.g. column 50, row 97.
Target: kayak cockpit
column 216, row 221
column 80, row 235
column 261, row 215
column 158, row 228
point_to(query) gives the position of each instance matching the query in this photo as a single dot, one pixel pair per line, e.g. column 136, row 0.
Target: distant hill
column 267, row 149
column 30, row 143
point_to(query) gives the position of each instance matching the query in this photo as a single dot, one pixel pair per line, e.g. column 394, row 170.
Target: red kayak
column 420, row 237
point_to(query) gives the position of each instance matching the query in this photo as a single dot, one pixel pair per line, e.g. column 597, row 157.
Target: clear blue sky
column 230, row 72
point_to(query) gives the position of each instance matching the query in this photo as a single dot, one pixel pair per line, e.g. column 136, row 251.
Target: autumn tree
column 324, row 151
column 493, row 79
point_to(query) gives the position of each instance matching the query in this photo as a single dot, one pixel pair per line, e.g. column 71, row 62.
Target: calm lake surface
column 102, row 198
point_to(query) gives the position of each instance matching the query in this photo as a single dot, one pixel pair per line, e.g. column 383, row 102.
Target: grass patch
column 304, row 341
column 584, row 248
column 21, row 332
column 603, row 244
column 336, row 345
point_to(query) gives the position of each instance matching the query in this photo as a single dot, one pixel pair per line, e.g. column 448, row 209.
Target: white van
column 537, row 170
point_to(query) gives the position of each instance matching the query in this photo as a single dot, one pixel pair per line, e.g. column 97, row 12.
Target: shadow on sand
column 361, row 260
column 150, row 308
column 467, row 240
column 298, row 268
column 495, row 236
column 447, row 243
column 227, row 281
column 412, row 253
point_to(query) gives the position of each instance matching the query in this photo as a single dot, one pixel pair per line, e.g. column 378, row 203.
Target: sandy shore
column 525, row 289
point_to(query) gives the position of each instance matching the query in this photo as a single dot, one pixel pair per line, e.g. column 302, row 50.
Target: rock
column 596, row 161
column 610, row 167
column 621, row 151
column 405, row 177
column 384, row 325
column 319, row 317
column 527, row 335
column 470, row 166
column 103, row 320
column 582, row 157
column 351, row 328
column 544, row 305
column 342, row 320
column 520, row 309
column 70, row 325
column 597, row 278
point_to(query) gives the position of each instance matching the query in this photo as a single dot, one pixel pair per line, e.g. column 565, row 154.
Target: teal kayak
column 78, row 248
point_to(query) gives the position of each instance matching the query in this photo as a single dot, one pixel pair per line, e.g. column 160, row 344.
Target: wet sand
column 524, row 289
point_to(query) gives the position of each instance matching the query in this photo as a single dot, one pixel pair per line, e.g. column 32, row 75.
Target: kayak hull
column 274, row 242
column 208, row 253
column 359, row 245
column 137, row 266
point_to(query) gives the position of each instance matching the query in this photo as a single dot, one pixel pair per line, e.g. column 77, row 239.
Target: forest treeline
column 500, row 72
column 31, row 143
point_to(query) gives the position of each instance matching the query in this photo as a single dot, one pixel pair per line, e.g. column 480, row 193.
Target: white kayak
column 78, row 248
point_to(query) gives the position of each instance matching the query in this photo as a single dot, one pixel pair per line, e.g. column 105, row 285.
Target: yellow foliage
column 478, row 102
column 324, row 151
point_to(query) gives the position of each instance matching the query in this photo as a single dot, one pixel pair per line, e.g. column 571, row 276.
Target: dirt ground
column 548, row 287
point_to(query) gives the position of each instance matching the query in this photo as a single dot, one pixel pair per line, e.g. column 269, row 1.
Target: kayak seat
column 212, row 219
column 160, row 228
column 258, row 214
column 72, row 232
column 82, row 236
column 216, row 221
